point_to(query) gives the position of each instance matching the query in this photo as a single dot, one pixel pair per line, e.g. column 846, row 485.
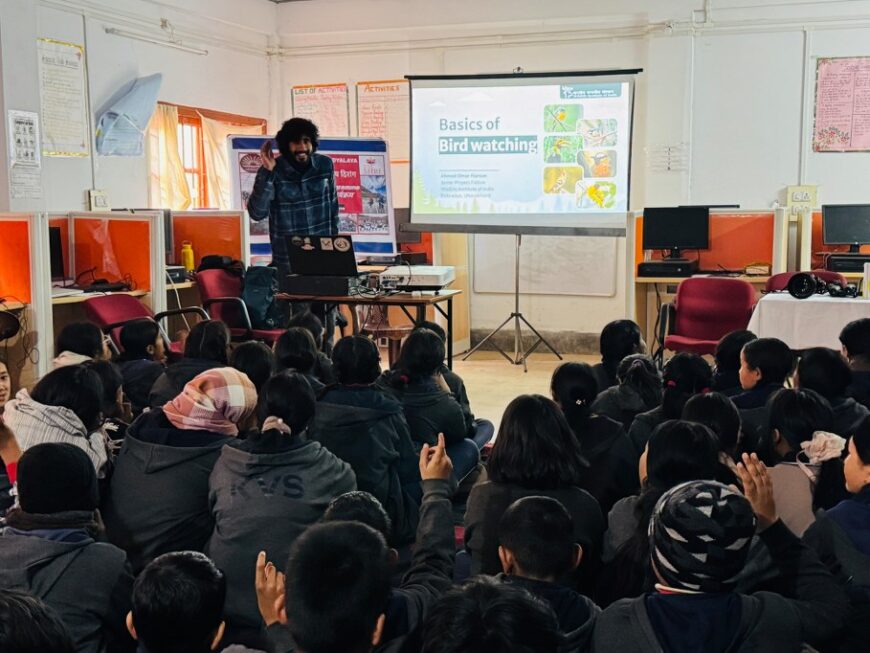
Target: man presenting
column 296, row 191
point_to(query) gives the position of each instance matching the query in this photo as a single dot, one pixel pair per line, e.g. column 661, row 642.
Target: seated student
column 265, row 491
column 254, row 359
column 685, row 375
column 178, row 602
column 363, row 507
column 479, row 430
column 639, row 389
column 322, row 366
column 677, row 452
column 50, row 548
column 726, row 370
column 827, row 372
column 700, row 536
column 619, row 339
column 142, row 361
column 28, row 625
column 484, row 615
column 295, row 350
column 365, row 426
column 429, row 404
column 205, row 348
column 6, row 499
column 64, row 406
column 537, row 550
column 117, row 413
column 808, row 474
column 158, row 496
column 5, row 385
column 612, row 472
column 841, row 537
column 535, row 454
column 855, row 339
column 765, row 364
column 718, row 413
column 337, row 594
column 79, row 342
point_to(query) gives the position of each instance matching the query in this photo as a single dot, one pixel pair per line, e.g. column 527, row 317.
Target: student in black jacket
column 827, row 372
column 639, row 390
column 855, row 339
column 619, row 339
column 142, row 361
column 726, row 368
column 295, row 350
column 323, row 365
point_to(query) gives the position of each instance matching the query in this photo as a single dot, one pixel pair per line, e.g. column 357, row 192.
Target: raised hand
column 435, row 464
column 270, row 591
column 758, row 488
column 267, row 157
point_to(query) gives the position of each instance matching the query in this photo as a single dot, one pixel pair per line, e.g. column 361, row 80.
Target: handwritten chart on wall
column 383, row 111
column 842, row 105
column 62, row 98
column 326, row 105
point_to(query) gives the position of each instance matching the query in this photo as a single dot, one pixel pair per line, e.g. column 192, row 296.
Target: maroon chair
column 221, row 294
column 704, row 310
column 779, row 282
column 112, row 312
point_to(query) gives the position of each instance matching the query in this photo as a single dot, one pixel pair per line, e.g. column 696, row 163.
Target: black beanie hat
column 56, row 477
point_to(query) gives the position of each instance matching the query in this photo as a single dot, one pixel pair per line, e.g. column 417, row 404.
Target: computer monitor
column 56, row 257
column 676, row 228
column 846, row 224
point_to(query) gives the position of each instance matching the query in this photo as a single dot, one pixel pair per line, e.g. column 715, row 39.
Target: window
column 190, row 150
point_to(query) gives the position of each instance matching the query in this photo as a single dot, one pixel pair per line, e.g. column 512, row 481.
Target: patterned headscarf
column 216, row 400
column 700, row 534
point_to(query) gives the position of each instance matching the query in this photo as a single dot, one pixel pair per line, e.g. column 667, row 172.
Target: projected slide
column 545, row 147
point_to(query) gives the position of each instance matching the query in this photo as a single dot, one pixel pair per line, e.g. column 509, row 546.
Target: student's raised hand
column 267, row 158
column 758, row 488
column 270, row 591
column 435, row 464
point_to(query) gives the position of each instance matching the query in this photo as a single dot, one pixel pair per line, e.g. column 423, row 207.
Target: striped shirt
column 295, row 202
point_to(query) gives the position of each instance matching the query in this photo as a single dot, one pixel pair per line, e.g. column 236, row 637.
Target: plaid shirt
column 295, row 203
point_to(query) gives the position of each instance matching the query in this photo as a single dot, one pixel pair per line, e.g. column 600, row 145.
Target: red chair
column 780, row 281
column 111, row 312
column 221, row 293
column 704, row 310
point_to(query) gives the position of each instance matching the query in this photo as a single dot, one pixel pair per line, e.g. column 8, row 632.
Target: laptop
column 328, row 256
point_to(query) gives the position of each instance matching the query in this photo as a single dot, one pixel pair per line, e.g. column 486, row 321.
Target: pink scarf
column 216, row 401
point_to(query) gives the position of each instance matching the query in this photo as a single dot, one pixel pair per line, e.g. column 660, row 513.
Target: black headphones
column 803, row 285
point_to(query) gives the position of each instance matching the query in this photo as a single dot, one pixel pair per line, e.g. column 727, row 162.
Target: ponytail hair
column 640, row 373
column 574, row 387
column 685, row 375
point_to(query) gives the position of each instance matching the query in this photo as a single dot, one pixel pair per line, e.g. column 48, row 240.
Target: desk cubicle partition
column 210, row 232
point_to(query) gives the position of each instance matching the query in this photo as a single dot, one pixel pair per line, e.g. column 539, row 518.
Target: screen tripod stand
column 520, row 357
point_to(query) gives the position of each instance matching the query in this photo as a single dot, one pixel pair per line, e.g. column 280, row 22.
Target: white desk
column 804, row 323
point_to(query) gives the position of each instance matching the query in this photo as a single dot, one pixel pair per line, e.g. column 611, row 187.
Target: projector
column 417, row 277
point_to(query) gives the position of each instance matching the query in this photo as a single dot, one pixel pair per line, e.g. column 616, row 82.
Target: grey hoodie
column 263, row 502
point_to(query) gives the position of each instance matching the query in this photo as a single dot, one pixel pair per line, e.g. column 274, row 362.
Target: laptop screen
column 321, row 255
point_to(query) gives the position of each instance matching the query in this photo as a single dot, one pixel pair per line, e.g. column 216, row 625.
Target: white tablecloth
column 804, row 323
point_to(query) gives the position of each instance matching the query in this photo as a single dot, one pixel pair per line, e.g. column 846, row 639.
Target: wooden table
column 401, row 300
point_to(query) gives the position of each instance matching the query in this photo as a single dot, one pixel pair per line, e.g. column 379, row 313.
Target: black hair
column 178, row 600
column 684, row 375
column 677, row 452
column 290, row 397
column 421, row 356
column 293, row 131
column 535, row 447
column 330, row 560
column 434, row 327
column 619, row 338
column 825, row 371
column 861, row 439
column 76, row 387
column 574, row 387
column 208, row 340
column 639, row 372
column 296, row 350
column 539, row 531
column 356, row 361
column 727, row 354
column 361, row 507
column 136, row 337
column 255, row 359
column 771, row 357
column 27, row 625
column 493, row 617
column 855, row 337
column 717, row 412
column 797, row 414
column 308, row 320
column 112, row 380
column 84, row 338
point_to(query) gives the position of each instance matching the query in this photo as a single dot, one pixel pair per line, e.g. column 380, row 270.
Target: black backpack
column 260, row 287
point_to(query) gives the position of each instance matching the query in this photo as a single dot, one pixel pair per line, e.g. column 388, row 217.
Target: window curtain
column 167, row 184
column 217, row 167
